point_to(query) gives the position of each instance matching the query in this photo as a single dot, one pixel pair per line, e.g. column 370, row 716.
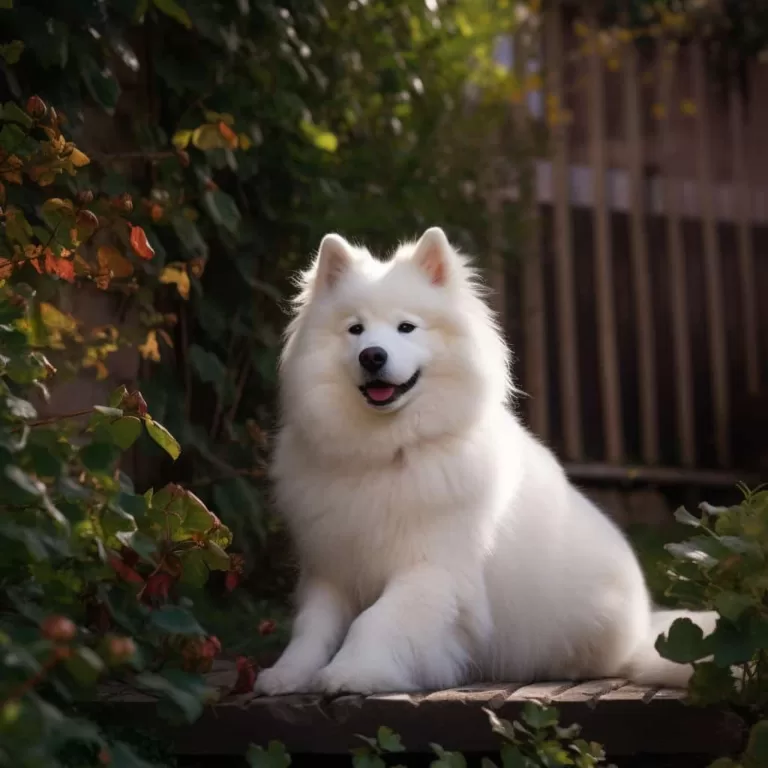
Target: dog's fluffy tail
column 647, row 667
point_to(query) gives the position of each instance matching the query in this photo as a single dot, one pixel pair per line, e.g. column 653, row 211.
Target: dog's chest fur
column 359, row 528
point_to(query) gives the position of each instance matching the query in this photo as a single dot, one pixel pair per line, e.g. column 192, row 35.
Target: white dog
column 440, row 543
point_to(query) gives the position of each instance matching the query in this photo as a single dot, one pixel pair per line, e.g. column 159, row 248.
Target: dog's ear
column 334, row 258
column 432, row 254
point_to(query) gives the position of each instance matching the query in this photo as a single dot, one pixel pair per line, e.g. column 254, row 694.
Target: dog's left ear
column 433, row 254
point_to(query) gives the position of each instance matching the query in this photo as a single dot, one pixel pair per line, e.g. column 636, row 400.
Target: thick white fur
column 439, row 541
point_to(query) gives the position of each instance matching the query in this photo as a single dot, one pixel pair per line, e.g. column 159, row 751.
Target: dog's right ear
column 334, row 258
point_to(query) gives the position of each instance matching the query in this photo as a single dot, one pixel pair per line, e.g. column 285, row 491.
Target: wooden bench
column 625, row 718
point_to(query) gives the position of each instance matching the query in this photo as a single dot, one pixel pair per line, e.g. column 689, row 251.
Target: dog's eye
column 406, row 327
column 356, row 329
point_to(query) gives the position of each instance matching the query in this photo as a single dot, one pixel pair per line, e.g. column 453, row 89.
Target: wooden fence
column 636, row 317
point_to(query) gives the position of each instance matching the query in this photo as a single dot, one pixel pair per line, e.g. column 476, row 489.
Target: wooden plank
column 712, row 270
column 681, row 333
column 646, row 347
column 568, row 350
column 627, row 719
column 640, row 693
column 606, row 316
column 661, row 475
column 744, row 213
column 588, row 692
column 543, row 692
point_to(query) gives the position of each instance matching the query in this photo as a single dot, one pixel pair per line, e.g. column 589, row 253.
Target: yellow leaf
column 150, row 350
column 176, row 273
column 659, row 111
column 181, row 139
column 79, row 159
column 208, row 137
column 113, row 262
column 245, row 142
column 55, row 319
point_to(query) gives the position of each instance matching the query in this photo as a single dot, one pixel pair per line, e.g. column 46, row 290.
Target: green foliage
column 258, row 128
column 95, row 577
column 723, row 566
column 537, row 742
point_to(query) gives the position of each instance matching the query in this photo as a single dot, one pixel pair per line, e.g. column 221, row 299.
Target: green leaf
column 20, row 409
column 14, row 113
column 99, row 457
column 447, row 759
column 730, row 643
column 756, row 754
column 683, row 516
column 117, row 396
column 222, row 209
column 24, row 481
column 115, row 413
column 85, row 666
column 6, row 5
column 711, row 684
column 11, row 52
column 163, row 438
column 194, row 571
column 512, row 757
column 175, row 11
column 215, row 557
column 143, row 545
column 684, row 643
column 176, row 621
column 115, row 520
column 187, row 692
column 388, row 740
column 207, row 366
column 731, row 604
column 274, row 756
column 100, row 82
column 125, row 431
column 537, row 716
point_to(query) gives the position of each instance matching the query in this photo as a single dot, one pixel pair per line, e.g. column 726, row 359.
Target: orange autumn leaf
column 140, row 244
column 6, row 268
column 229, row 135
column 63, row 268
column 112, row 262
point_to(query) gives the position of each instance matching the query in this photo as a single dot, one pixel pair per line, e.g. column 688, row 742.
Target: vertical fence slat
column 712, row 271
column 606, row 316
column 744, row 213
column 568, row 350
column 646, row 359
column 533, row 302
column 681, row 334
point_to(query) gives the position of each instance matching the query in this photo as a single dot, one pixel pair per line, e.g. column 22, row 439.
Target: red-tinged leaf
column 125, row 572
column 246, row 675
column 231, row 580
column 6, row 268
column 158, row 586
column 140, row 244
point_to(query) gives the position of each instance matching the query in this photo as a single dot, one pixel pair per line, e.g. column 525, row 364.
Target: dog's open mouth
column 379, row 392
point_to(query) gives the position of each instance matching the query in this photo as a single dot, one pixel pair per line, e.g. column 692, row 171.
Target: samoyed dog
column 439, row 542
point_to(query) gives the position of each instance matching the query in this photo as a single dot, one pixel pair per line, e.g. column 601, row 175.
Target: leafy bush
column 96, row 580
column 724, row 567
column 535, row 741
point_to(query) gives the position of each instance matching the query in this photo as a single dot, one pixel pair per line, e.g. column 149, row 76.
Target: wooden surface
column 627, row 719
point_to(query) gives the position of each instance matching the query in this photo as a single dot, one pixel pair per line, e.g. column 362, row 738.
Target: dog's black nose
column 373, row 359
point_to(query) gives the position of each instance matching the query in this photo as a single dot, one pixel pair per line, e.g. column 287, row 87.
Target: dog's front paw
column 346, row 677
column 279, row 680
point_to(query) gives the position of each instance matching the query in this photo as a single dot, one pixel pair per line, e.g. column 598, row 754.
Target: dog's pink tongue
column 380, row 394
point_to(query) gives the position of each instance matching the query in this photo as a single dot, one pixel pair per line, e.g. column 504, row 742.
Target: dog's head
column 392, row 352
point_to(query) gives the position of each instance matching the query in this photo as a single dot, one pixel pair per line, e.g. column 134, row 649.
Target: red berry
column 267, row 626
column 60, row 629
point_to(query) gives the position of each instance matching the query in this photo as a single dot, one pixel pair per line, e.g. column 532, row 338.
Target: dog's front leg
column 406, row 640
column 323, row 618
